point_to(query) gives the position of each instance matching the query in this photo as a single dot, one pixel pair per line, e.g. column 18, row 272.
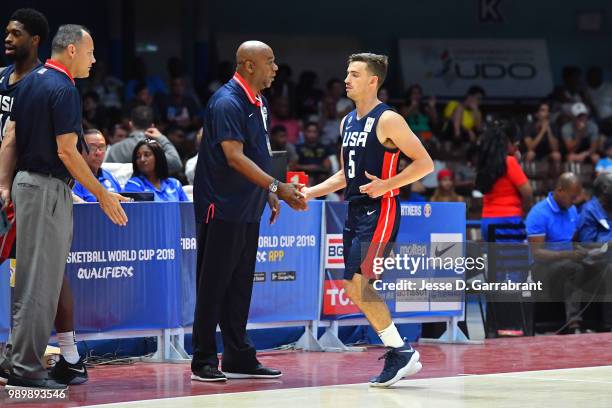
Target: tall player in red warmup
column 373, row 136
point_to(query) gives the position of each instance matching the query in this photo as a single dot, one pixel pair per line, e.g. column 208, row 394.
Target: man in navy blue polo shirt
column 231, row 187
column 26, row 30
column 595, row 226
column 96, row 149
column 551, row 225
column 41, row 144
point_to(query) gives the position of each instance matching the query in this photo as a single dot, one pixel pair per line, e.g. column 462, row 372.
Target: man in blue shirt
column 231, row 187
column 595, row 226
column 96, row 149
column 551, row 225
column 41, row 142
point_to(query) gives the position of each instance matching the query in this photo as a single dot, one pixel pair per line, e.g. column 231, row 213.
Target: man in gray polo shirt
column 141, row 122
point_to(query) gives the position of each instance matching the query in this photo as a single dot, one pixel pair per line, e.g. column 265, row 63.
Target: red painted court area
column 144, row 381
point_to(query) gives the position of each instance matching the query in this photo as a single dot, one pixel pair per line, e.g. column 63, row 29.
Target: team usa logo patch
column 369, row 124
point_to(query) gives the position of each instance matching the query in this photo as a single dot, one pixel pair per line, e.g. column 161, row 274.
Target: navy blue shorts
column 370, row 226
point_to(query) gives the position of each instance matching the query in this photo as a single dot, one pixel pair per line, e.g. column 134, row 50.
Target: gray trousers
column 563, row 280
column 43, row 211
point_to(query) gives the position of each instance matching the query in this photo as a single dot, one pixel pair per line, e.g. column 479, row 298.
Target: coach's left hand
column 375, row 188
column 274, row 204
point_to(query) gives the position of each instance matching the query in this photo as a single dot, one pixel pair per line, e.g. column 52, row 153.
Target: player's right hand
column 111, row 205
column 290, row 193
column 306, row 192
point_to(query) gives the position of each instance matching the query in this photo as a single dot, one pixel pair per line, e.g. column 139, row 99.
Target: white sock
column 68, row 348
column 391, row 337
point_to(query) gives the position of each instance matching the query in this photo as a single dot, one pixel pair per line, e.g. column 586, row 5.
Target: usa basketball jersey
column 362, row 151
column 7, row 93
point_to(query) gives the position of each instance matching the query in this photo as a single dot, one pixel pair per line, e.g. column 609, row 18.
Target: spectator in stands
column 94, row 114
column 557, row 265
column 421, row 116
column 445, row 192
column 278, row 142
column 329, row 121
column 281, row 116
column 283, row 86
column 337, row 90
column 595, row 226
column 383, row 95
column 150, row 173
column 307, row 95
column 179, row 110
column 464, row 119
column 581, row 136
column 142, row 97
column 540, row 139
column 507, row 192
column 224, row 72
column 154, row 83
column 108, row 88
column 604, row 165
column 564, row 97
column 191, row 164
column 176, row 69
column 118, row 133
column 94, row 156
column 313, row 156
column 142, row 127
column 600, row 96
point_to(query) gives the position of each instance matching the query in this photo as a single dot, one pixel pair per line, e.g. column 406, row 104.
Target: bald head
column 568, row 190
column 255, row 63
column 249, row 50
column 567, row 181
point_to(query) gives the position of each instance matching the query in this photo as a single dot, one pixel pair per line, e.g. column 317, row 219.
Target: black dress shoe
column 208, row 373
column 258, row 371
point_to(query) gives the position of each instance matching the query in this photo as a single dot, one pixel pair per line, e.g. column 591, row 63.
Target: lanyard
column 264, row 117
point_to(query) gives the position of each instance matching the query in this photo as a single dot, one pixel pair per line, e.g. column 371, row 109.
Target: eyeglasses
column 96, row 148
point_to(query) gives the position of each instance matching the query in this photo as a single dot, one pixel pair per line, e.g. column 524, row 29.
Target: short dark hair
column 476, row 90
column 309, row 124
column 92, row 131
column 377, row 64
column 141, row 117
column 34, row 22
column 67, row 34
column 140, row 86
column 331, row 82
column 277, row 129
column 161, row 164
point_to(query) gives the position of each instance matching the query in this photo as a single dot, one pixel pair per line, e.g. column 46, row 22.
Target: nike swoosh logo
column 371, row 212
column 348, row 127
column 442, row 252
column 82, row 370
column 251, row 115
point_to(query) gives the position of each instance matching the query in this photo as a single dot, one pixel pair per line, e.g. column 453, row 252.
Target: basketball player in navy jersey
column 373, row 136
column 26, row 31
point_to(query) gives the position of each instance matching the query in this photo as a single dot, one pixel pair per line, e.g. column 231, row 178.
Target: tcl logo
column 335, row 301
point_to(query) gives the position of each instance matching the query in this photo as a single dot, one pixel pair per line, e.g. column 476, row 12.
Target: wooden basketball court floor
column 543, row 371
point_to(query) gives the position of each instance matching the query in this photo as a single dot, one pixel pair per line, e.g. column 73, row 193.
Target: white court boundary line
column 512, row 374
